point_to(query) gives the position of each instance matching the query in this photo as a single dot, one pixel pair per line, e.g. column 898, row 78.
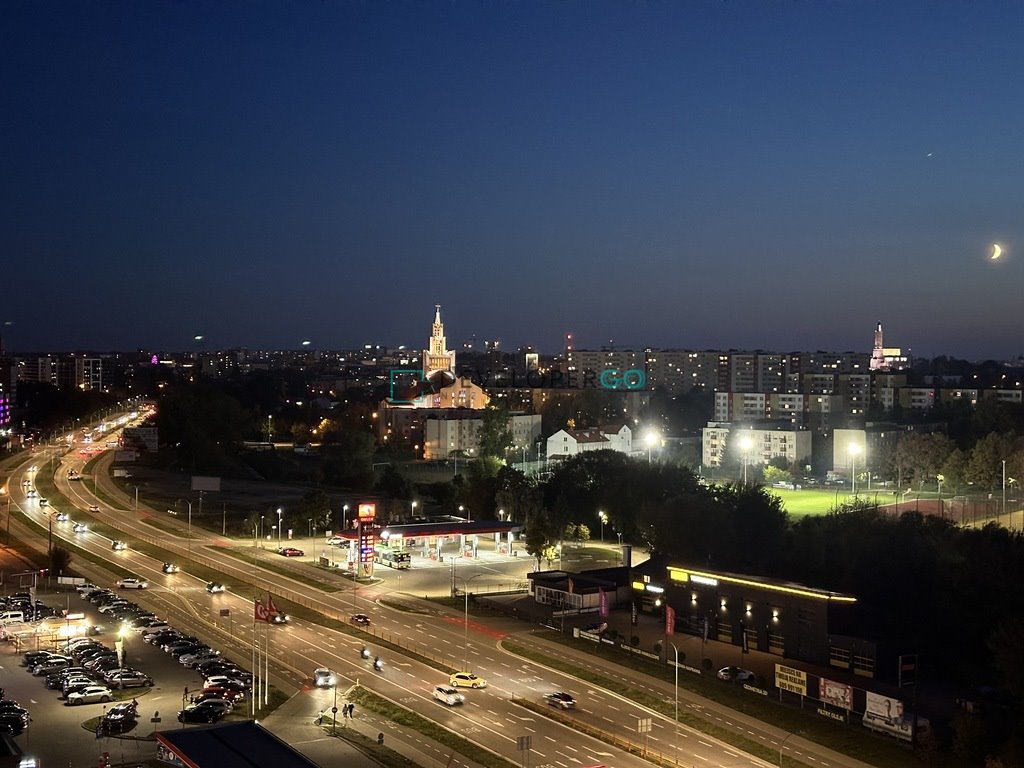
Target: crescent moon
column 997, row 251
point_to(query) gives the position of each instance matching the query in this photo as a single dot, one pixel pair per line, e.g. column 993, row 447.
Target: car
column 448, row 695
column 131, row 582
column 224, row 692
column 34, row 657
column 154, row 625
column 128, row 678
column 337, row 541
column 735, row 675
column 43, row 502
column 192, row 660
column 560, row 699
column 84, row 589
column 103, row 663
column 170, row 568
column 13, row 722
column 361, row 619
column 94, row 508
column 291, row 552
column 119, row 720
column 178, row 649
column 80, row 528
column 113, row 605
column 466, row 680
column 117, row 545
column 61, row 517
column 50, row 665
column 324, row 678
column 213, row 701
column 78, row 683
column 214, row 587
column 280, row 618
column 201, row 713
column 30, row 493
column 90, row 695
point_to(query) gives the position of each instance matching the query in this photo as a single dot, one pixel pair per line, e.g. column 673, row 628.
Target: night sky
column 702, row 175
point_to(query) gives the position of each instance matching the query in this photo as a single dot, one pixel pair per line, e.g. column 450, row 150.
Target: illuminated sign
column 715, row 579
column 367, row 513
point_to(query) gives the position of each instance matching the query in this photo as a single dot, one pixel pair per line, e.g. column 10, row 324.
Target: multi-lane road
column 490, row 716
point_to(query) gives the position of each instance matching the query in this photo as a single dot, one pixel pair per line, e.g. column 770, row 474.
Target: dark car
column 560, row 699
column 361, row 619
column 291, row 552
column 214, row 587
column 201, row 713
column 13, row 723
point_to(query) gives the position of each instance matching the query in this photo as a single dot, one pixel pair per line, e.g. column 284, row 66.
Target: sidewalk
column 294, row 722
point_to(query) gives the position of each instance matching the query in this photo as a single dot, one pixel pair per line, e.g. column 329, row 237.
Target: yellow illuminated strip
column 678, row 574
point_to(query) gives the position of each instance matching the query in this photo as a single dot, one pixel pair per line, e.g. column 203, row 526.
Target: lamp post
column 189, row 531
column 465, row 594
column 940, row 478
column 650, row 440
column 745, row 445
column 783, row 744
column 1003, row 462
column 261, row 530
column 603, row 517
column 853, row 449
column 676, row 649
column 279, row 511
column 414, row 508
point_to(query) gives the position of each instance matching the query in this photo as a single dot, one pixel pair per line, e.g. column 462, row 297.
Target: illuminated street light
column 279, row 511
column 603, row 517
column 853, row 449
column 651, row 439
column 745, row 445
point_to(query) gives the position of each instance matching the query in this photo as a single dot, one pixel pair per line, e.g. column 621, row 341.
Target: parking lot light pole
column 279, row 511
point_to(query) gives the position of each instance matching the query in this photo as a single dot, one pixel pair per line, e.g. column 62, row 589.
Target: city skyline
column 699, row 176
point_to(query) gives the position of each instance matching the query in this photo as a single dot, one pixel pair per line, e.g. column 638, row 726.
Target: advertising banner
column 837, row 694
column 884, row 714
column 790, row 679
column 670, row 620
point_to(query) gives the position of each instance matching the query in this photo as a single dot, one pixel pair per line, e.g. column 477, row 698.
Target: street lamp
column 1003, row 462
column 940, row 478
column 279, row 511
column 651, row 439
column 745, row 445
column 465, row 594
column 414, row 508
column 783, row 744
column 676, row 649
column 853, row 449
column 603, row 517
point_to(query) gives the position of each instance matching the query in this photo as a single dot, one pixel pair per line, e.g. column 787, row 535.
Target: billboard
column 790, row 679
column 200, row 483
column 884, row 714
column 837, row 694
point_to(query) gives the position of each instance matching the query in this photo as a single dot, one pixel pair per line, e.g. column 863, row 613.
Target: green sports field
column 819, row 501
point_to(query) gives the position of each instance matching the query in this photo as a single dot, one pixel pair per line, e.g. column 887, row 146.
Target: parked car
column 50, row 665
column 199, row 657
column 735, row 675
column 201, row 713
column 466, row 680
column 448, row 695
column 291, row 552
column 214, row 701
column 90, row 695
column 231, row 694
column 120, row 718
column 560, row 699
column 13, row 723
column 128, row 678
column 131, row 582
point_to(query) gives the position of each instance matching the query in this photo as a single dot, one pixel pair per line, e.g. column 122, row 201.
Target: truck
column 121, row 472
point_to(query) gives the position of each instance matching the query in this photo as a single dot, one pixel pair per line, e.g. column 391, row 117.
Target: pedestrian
column 352, row 710
column 319, row 718
column 344, row 710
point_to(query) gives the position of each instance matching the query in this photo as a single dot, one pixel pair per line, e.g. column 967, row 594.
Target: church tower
column 437, row 358
column 878, row 362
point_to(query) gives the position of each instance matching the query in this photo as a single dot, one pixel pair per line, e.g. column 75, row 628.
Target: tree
column 60, row 560
column 984, row 467
column 494, row 435
column 315, row 505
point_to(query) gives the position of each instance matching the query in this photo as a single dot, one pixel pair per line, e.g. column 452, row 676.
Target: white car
column 132, row 583
column 324, row 678
column 80, row 528
column 735, row 675
column 61, row 517
column 90, row 695
column 154, row 627
column 448, row 695
column 94, row 508
column 118, row 546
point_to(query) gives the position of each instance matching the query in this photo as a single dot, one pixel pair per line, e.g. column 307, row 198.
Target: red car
column 291, row 552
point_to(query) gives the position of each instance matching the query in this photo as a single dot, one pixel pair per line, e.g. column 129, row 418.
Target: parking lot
column 74, row 744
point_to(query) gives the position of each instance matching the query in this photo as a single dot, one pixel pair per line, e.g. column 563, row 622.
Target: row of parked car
column 225, row 683
column 20, row 607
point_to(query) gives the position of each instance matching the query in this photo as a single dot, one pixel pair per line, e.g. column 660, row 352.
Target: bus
column 394, row 558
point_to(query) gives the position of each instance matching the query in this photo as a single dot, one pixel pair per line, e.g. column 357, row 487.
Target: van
column 12, row 617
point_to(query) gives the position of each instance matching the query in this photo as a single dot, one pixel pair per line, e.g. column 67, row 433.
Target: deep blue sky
column 775, row 175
